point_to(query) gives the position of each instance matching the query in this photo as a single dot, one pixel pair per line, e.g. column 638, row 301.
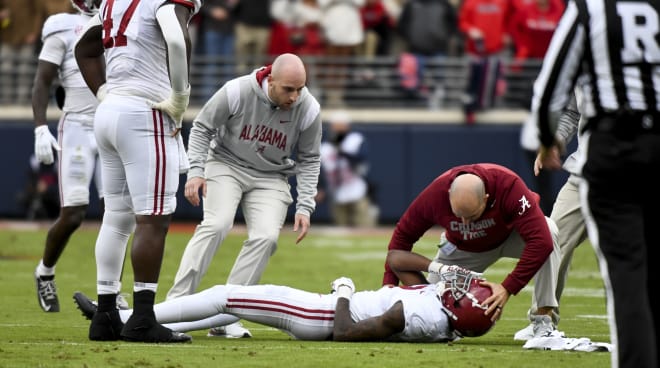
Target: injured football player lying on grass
column 438, row 312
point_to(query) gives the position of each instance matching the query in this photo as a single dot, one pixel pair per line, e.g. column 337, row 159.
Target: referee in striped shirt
column 613, row 44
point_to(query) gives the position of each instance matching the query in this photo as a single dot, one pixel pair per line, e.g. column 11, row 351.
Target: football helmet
column 462, row 295
column 88, row 7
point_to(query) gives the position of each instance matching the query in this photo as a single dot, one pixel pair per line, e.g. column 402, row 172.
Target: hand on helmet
column 174, row 106
column 44, row 142
column 344, row 287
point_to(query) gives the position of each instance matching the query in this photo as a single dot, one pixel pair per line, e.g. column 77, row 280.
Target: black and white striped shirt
column 614, row 45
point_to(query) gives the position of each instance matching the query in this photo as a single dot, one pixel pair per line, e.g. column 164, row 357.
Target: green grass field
column 32, row 338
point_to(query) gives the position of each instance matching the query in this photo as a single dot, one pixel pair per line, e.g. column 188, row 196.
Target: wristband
column 435, row 267
column 344, row 291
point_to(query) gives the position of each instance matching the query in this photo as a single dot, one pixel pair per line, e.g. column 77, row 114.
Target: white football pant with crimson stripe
column 139, row 156
column 140, row 172
column 302, row 315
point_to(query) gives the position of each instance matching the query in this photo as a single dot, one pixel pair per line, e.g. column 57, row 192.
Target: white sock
column 45, row 271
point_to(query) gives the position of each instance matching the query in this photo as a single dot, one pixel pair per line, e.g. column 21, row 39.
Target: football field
column 31, row 338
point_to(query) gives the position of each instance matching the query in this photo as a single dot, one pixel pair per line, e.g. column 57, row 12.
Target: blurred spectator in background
column 20, row 27
column 485, row 24
column 217, row 43
column 57, row 6
column 344, row 168
column 342, row 28
column 296, row 28
column 253, row 24
column 533, row 23
column 532, row 26
column 379, row 26
column 40, row 199
column 429, row 30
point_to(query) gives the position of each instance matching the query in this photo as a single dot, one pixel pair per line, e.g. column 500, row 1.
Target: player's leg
column 300, row 314
column 75, row 167
column 264, row 207
column 117, row 225
column 150, row 157
column 223, row 193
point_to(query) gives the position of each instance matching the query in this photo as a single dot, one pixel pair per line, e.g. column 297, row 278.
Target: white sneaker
column 232, row 331
column 525, row 334
column 542, row 325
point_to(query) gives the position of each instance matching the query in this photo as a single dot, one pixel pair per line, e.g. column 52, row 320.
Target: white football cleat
column 525, row 334
column 231, row 331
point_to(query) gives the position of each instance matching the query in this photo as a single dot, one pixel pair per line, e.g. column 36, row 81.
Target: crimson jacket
column 511, row 206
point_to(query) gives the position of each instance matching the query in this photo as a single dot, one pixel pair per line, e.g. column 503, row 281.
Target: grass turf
column 31, row 338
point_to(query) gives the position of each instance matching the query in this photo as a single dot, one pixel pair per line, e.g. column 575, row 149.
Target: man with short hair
column 241, row 150
column 487, row 212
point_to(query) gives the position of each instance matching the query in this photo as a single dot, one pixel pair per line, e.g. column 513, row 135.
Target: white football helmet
column 88, row 7
column 461, row 296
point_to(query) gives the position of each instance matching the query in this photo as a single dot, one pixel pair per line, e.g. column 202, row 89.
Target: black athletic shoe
column 144, row 328
column 85, row 305
column 47, row 293
column 105, row 326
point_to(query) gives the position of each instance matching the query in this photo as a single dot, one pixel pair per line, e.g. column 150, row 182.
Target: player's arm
column 89, row 56
column 43, row 80
column 371, row 329
column 44, row 142
column 408, row 266
column 173, row 21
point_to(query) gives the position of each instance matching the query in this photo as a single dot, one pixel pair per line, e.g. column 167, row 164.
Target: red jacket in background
column 533, row 26
column 491, row 17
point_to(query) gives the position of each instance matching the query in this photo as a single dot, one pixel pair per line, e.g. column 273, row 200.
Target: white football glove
column 344, row 287
column 443, row 270
column 174, row 106
column 44, row 142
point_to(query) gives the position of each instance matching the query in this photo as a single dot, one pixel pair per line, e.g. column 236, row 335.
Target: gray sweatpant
column 264, row 202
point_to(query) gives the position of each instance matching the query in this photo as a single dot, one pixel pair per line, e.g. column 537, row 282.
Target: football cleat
column 144, row 328
column 231, row 331
column 106, row 326
column 86, row 306
column 47, row 293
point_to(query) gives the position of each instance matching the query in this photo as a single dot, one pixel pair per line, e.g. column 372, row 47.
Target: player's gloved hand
column 448, row 272
column 174, row 106
column 44, row 142
column 344, row 287
column 101, row 92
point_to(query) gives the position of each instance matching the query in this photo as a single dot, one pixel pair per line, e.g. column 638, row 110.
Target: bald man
column 240, row 149
column 487, row 213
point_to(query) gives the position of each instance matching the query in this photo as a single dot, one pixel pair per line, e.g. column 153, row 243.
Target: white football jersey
column 135, row 50
column 59, row 35
column 425, row 319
